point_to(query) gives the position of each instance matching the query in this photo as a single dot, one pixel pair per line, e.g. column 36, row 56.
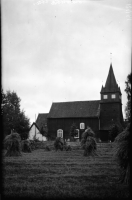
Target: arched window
column 77, row 135
column 82, row 126
column 60, row 133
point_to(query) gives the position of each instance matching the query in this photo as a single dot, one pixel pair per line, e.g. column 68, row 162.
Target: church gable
column 74, row 109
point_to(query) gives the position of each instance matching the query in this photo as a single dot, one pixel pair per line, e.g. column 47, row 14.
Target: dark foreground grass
column 63, row 174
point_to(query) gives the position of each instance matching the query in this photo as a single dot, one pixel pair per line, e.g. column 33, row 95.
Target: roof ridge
column 76, row 101
column 43, row 113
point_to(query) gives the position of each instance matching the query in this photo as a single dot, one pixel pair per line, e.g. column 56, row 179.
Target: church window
column 77, row 135
column 60, row 133
column 113, row 96
column 105, row 96
column 82, row 126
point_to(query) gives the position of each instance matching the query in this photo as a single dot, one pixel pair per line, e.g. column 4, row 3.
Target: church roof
column 74, row 109
column 41, row 119
column 111, row 84
column 34, row 124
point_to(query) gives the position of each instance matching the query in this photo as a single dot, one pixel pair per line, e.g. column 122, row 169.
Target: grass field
column 63, row 174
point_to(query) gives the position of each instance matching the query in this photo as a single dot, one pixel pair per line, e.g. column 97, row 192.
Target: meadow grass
column 63, row 174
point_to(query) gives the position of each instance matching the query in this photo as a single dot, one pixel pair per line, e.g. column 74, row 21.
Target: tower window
column 105, row 96
column 113, row 96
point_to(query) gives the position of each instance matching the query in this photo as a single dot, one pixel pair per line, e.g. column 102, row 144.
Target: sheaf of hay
column 122, row 154
column 12, row 144
column 88, row 142
column 58, row 144
column 26, row 146
column 67, row 147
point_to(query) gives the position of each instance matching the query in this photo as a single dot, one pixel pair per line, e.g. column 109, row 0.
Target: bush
column 59, row 143
column 12, row 144
column 122, row 153
column 115, row 129
column 88, row 142
column 26, row 146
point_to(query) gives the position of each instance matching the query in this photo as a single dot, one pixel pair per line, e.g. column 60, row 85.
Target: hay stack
column 26, row 146
column 59, row 143
column 68, row 148
column 122, row 153
column 47, row 148
column 12, row 144
column 88, row 142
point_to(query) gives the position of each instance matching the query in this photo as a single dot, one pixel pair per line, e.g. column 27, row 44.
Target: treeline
column 13, row 118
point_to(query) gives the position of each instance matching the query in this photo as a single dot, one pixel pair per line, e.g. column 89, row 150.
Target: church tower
column 110, row 105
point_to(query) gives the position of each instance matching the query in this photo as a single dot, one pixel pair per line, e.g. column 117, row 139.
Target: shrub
column 88, row 142
column 122, row 153
column 59, row 143
column 12, row 144
column 26, row 146
column 115, row 129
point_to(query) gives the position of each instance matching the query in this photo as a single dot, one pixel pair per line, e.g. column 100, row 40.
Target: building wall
column 66, row 123
column 39, row 136
column 104, row 135
column 110, row 113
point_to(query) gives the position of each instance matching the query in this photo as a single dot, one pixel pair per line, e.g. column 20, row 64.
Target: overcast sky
column 59, row 50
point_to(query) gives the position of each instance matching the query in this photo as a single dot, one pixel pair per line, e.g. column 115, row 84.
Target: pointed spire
column 111, row 83
column 102, row 88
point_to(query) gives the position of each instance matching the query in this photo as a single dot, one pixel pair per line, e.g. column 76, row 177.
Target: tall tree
column 128, row 91
column 115, row 129
column 13, row 117
column 122, row 141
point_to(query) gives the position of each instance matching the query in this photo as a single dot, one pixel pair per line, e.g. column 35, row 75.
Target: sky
column 59, row 50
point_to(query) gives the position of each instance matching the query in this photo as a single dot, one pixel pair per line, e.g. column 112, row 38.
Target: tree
column 13, row 117
column 128, row 91
column 122, row 141
column 122, row 153
column 115, row 129
column 22, row 125
column 73, row 130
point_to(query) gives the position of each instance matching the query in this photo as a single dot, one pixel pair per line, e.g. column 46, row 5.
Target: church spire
column 111, row 83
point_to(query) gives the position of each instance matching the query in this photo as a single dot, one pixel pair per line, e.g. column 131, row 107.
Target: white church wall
column 34, row 131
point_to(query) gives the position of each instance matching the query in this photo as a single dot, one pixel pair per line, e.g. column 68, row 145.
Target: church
column 97, row 114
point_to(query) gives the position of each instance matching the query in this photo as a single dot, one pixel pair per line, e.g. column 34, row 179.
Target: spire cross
column 111, row 57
